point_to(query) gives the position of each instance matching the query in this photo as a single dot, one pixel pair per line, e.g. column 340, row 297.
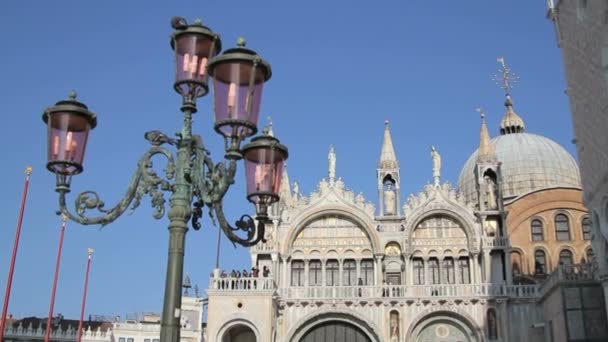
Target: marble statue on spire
column 331, row 158
column 436, row 165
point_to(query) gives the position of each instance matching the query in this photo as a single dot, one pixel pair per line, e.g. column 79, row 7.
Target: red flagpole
column 9, row 282
column 47, row 335
column 84, row 296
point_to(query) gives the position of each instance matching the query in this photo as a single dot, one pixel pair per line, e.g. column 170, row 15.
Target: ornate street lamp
column 191, row 177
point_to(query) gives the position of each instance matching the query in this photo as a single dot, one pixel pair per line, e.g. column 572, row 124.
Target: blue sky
column 340, row 68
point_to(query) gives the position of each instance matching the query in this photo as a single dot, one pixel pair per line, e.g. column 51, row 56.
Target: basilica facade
column 485, row 260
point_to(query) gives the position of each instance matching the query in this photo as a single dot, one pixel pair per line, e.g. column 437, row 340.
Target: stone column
column 474, row 268
column 487, row 261
column 378, row 272
column 358, row 266
column 306, row 283
column 427, row 280
column 340, row 262
column 407, row 273
column 457, row 273
column 508, row 266
column 323, row 277
column 286, row 273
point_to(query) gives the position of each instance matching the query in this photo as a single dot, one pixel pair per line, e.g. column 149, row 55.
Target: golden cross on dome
column 505, row 79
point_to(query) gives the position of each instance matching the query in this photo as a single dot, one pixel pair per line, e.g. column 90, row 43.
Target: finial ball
column 241, row 42
column 72, row 95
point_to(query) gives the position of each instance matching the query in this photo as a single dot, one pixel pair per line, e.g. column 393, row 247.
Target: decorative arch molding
column 466, row 221
column 234, row 320
column 435, row 313
column 360, row 218
column 310, row 321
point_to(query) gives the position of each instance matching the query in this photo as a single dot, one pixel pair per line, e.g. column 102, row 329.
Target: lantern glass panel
column 67, row 140
column 234, row 100
column 263, row 167
column 192, row 53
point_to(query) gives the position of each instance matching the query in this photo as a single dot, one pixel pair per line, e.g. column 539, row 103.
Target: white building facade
column 432, row 269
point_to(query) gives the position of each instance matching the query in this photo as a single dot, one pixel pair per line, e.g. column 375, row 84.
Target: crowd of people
column 254, row 273
column 243, row 279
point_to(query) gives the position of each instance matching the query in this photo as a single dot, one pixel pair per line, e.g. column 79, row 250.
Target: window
column 156, row 340
column 586, row 224
column 297, row 273
column 447, row 271
column 540, row 262
column 562, row 227
column 590, row 255
column 418, row 272
column 434, row 270
column 367, row 272
column 147, row 340
column 565, row 257
column 463, row 268
column 130, row 339
column 122, row 339
column 315, row 273
column 332, row 272
column 350, row 273
column 537, row 230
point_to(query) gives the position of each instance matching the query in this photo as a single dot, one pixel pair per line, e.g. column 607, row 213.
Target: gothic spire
column 388, row 159
column 285, row 190
column 486, row 149
column 511, row 122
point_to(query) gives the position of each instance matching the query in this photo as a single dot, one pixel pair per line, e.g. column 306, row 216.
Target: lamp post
column 193, row 180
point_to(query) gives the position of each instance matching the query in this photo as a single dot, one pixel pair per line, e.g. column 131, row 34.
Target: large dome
column 529, row 162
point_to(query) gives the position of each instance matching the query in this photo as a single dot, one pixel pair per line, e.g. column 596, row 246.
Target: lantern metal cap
column 265, row 140
column 240, row 54
column 73, row 106
column 181, row 27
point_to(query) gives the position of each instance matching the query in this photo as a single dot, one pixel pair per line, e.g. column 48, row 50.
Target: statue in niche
column 389, row 199
column 331, row 158
column 394, row 327
column 296, row 191
column 490, row 189
column 492, row 325
column 490, row 227
column 436, row 164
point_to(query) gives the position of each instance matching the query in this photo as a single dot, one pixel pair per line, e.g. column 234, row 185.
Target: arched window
column 297, row 273
column 463, row 269
column 562, row 227
column 537, row 230
column 586, row 225
column 434, row 271
column 447, row 271
column 315, row 273
column 350, row 273
column 565, row 257
column 333, row 272
column 540, row 262
column 367, row 272
column 418, row 272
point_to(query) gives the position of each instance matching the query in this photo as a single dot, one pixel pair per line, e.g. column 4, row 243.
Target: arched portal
column 448, row 327
column 335, row 331
column 239, row 333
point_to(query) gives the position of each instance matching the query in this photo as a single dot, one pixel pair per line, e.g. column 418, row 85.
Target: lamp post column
column 179, row 214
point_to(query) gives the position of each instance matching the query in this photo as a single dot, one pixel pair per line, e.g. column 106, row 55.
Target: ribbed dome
column 529, row 162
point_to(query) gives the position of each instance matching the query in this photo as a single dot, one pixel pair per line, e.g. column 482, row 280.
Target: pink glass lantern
column 264, row 157
column 194, row 46
column 238, row 79
column 68, row 122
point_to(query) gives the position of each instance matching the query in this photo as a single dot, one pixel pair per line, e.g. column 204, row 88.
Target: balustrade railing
column 496, row 242
column 455, row 291
column 569, row 273
column 242, row 284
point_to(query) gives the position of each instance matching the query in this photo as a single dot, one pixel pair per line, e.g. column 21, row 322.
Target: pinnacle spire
column 388, row 159
column 285, row 190
column 486, row 149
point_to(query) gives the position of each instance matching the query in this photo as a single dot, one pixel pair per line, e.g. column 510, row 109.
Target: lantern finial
column 72, row 94
column 198, row 22
column 241, row 42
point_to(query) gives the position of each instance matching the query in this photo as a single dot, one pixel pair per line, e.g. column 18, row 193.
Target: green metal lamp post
column 191, row 177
